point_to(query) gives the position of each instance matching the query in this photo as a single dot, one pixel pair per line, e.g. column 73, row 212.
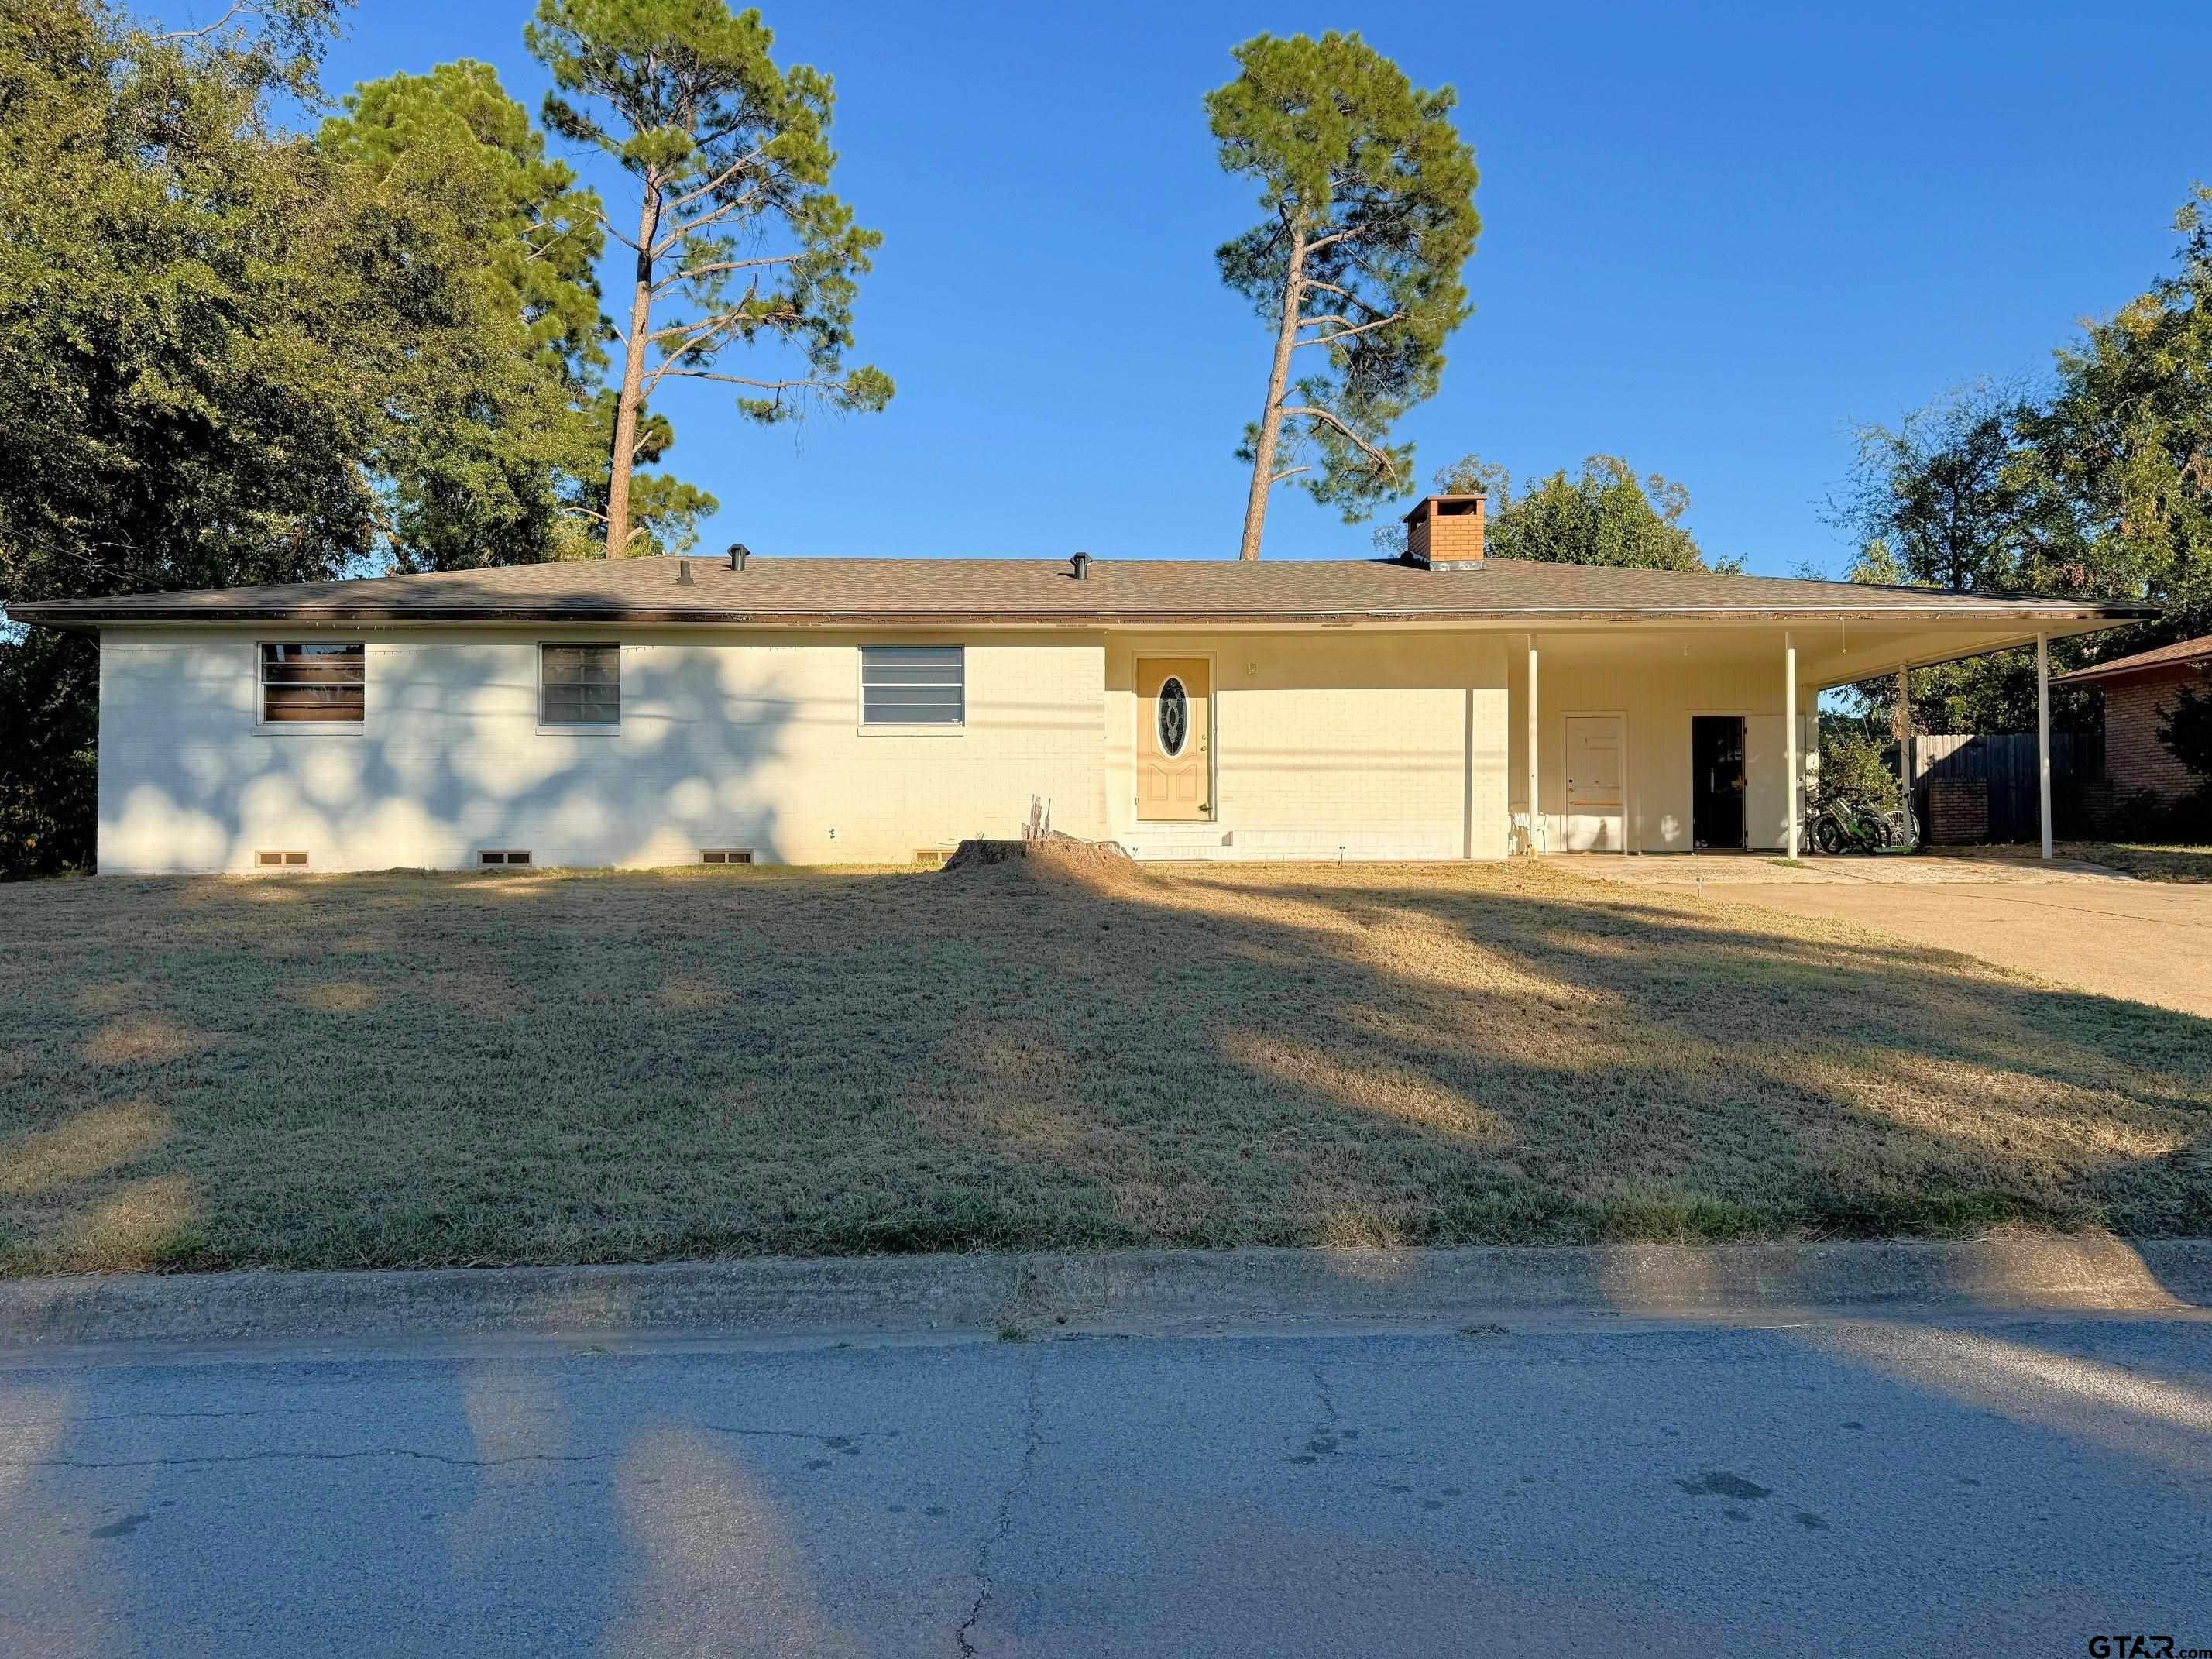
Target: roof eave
column 2117, row 672
column 64, row 616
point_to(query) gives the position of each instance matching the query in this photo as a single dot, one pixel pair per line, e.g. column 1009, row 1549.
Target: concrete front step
column 1215, row 843
column 1180, row 841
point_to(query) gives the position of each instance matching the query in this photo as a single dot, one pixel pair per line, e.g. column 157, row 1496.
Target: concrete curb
column 1141, row 1292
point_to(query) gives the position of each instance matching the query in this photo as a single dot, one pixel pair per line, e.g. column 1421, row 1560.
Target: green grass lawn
column 2151, row 863
column 539, row 1066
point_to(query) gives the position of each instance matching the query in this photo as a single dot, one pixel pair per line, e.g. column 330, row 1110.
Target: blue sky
column 1714, row 237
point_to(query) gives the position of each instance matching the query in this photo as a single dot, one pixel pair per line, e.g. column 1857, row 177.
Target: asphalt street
column 1586, row 1487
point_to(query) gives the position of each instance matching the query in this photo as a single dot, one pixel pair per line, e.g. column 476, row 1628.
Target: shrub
column 2185, row 727
column 2147, row 816
column 1854, row 766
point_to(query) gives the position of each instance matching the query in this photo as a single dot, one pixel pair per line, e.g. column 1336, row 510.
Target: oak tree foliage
column 1607, row 513
column 189, row 331
column 232, row 352
column 2097, row 485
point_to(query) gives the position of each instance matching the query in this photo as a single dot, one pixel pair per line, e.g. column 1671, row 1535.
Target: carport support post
column 1901, row 727
column 1532, row 729
column 2042, row 734
column 1789, row 731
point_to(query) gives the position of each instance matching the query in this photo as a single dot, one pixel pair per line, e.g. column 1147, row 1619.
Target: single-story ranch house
column 2139, row 691
column 671, row 710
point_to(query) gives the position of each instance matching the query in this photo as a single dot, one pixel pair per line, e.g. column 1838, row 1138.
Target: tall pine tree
column 1366, row 194
column 738, row 240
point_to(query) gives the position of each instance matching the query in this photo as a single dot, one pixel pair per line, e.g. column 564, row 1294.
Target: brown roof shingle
column 923, row 590
column 2178, row 655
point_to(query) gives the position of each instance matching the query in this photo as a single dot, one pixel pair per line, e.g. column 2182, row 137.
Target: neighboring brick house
column 2138, row 690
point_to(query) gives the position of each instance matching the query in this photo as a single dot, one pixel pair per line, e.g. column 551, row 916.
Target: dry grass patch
column 496, row 1067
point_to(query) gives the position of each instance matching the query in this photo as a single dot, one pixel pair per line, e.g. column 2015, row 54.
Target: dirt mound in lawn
column 1054, row 860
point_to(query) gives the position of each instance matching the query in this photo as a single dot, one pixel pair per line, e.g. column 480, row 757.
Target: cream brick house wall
column 1352, row 744
column 1659, row 684
column 1356, row 743
column 725, row 740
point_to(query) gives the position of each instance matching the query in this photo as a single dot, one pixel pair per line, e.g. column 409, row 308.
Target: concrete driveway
column 2080, row 924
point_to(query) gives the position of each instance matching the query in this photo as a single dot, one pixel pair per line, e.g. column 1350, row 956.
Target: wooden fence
column 2004, row 763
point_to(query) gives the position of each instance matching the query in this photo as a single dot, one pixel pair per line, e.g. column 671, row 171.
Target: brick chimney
column 1444, row 533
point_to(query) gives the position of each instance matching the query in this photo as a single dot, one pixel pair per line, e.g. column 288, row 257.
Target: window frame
column 582, row 726
column 911, row 728
column 262, row 685
column 1189, row 716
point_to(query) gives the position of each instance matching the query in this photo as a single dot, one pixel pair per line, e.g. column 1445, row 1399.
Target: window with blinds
column 914, row 685
column 321, row 684
column 580, row 685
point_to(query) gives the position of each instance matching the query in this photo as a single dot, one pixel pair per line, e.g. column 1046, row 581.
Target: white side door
column 1596, row 775
column 1765, row 809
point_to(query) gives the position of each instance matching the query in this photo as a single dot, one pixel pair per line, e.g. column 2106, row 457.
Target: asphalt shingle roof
column 923, row 590
column 2167, row 656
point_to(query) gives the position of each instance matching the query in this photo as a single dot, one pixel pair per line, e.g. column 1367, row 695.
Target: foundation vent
column 503, row 856
column 280, row 860
column 725, row 855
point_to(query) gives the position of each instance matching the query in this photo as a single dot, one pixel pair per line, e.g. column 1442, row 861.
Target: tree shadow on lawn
column 1665, row 1067
column 555, row 1067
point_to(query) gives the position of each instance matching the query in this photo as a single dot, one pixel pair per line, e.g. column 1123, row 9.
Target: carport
column 1632, row 733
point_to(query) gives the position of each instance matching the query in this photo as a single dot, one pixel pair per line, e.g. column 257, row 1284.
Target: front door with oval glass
column 1175, row 739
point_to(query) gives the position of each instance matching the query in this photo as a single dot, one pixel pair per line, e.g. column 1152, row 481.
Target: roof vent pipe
column 1081, row 565
column 738, row 554
column 684, row 573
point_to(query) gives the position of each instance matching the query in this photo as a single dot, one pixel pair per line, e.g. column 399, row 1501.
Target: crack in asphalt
column 277, row 1456
column 1032, row 1442
column 129, row 1416
column 1328, row 1418
column 164, row 1417
column 1328, row 1442
column 303, row 1456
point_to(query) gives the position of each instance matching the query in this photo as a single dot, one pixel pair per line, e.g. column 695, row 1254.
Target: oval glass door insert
column 1174, row 717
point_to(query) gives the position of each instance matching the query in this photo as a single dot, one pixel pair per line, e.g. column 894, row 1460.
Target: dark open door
column 1716, row 782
